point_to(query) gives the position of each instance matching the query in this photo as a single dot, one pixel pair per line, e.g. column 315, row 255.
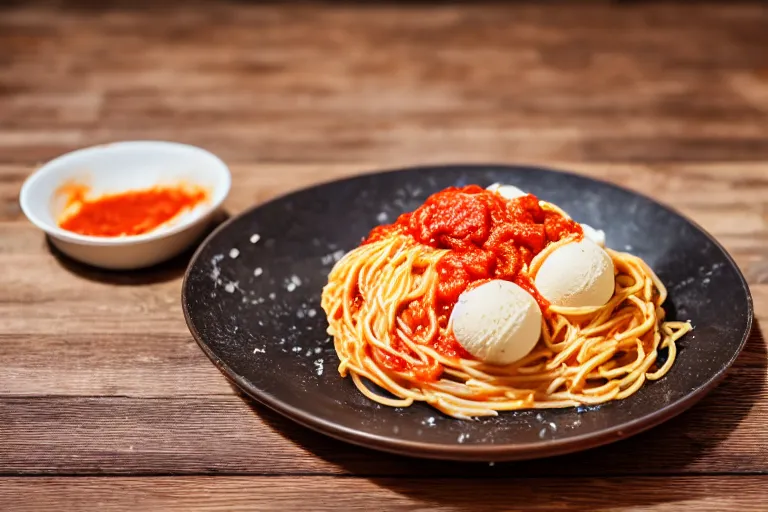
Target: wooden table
column 107, row 403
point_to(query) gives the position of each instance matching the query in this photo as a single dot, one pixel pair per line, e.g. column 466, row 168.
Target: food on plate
column 576, row 274
column 485, row 300
column 497, row 321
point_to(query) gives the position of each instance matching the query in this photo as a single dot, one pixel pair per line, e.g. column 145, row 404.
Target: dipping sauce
column 133, row 212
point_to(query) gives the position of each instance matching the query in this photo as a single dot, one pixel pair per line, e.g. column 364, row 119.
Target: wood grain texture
column 708, row 494
column 231, row 434
column 391, row 83
column 88, row 318
column 99, row 377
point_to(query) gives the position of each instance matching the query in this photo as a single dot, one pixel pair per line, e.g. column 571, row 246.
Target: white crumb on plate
column 332, row 257
column 272, row 295
column 311, row 313
column 319, row 366
column 382, row 217
column 216, row 269
column 234, row 253
column 290, row 287
column 259, row 350
column 255, row 238
column 258, row 271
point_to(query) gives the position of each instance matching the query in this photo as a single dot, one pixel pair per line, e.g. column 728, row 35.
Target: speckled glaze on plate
column 251, row 298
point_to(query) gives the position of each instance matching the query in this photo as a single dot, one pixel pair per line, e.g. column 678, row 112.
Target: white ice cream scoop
column 497, row 322
column 596, row 235
column 508, row 192
column 578, row 274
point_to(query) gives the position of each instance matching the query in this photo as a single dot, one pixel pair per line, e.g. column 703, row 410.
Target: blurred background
column 389, row 82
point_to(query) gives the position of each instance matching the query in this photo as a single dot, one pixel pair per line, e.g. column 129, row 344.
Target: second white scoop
column 578, row 274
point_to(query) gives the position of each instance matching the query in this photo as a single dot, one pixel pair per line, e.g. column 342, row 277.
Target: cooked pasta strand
column 585, row 355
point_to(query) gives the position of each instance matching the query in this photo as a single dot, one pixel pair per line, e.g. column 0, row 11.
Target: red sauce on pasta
column 488, row 237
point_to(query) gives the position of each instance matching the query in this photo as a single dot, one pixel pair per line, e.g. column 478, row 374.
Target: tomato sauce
column 488, row 237
column 129, row 213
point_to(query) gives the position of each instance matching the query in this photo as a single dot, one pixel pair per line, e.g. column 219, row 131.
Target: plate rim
column 472, row 452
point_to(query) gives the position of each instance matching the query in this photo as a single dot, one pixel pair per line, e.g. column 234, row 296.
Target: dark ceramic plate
column 254, row 308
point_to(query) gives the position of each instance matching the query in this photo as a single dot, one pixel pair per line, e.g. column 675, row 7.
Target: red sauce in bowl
column 134, row 212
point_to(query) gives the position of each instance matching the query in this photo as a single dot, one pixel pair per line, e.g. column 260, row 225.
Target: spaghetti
column 388, row 304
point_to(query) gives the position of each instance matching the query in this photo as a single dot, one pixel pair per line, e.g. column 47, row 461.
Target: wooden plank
column 231, row 494
column 122, row 435
column 135, row 364
column 689, row 187
column 429, row 82
column 105, row 351
column 90, row 318
column 726, row 198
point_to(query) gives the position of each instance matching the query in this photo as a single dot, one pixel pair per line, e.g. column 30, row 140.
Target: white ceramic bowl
column 119, row 167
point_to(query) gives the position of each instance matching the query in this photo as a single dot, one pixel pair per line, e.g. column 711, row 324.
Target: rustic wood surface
column 107, row 403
